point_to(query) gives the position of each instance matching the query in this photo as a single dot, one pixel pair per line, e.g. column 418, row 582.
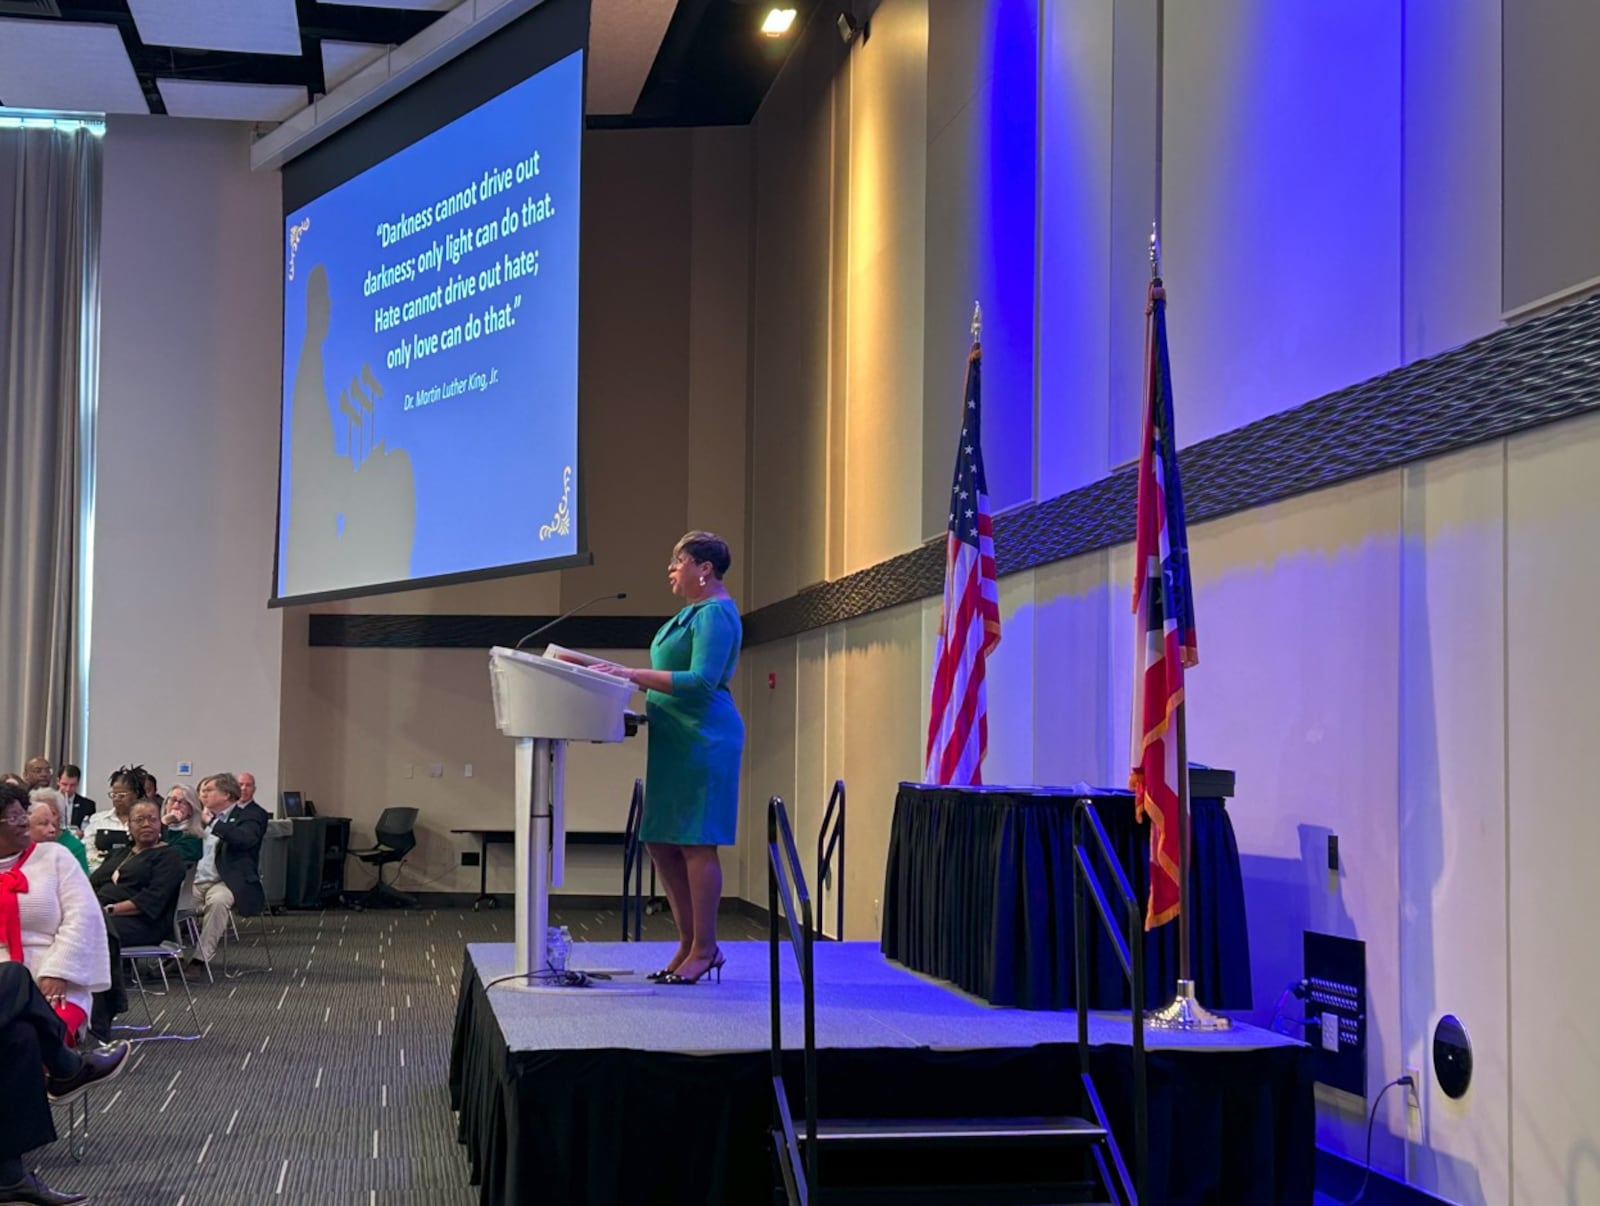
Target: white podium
column 544, row 703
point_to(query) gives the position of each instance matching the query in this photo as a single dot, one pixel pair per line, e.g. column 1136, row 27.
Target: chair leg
column 194, row 1017
column 132, row 965
column 78, row 1127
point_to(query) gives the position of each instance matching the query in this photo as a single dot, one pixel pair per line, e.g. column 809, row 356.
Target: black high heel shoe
column 718, row 962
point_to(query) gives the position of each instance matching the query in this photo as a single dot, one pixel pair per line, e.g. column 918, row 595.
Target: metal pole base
column 1186, row 1013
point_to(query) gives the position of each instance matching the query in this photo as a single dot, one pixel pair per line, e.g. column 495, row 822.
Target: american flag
column 1163, row 606
column 969, row 621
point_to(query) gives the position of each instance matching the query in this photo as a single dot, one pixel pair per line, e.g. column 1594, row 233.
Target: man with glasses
column 228, row 874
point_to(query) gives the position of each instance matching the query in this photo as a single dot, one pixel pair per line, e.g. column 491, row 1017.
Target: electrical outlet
column 877, row 915
column 1414, row 1089
column 466, row 773
column 436, row 770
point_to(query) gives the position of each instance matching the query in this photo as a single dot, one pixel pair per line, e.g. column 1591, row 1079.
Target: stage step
column 981, row 1195
column 1004, row 1161
column 891, row 1131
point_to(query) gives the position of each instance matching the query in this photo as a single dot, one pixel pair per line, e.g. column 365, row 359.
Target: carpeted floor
column 321, row 1081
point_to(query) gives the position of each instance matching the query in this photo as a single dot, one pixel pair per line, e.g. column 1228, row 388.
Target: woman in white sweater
column 51, row 922
column 53, row 957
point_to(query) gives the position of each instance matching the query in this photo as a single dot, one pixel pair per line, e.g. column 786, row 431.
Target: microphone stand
column 548, row 625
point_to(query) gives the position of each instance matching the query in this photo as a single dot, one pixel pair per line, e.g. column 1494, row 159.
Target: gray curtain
column 49, row 378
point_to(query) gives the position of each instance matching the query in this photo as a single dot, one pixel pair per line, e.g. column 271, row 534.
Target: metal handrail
column 633, row 865
column 786, row 884
column 1128, row 939
column 830, row 840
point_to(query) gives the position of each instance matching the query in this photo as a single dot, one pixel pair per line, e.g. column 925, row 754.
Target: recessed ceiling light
column 779, row 21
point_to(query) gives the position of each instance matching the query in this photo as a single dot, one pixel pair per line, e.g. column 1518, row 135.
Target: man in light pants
column 227, row 876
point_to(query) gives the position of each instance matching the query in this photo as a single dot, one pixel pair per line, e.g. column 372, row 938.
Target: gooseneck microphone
column 546, row 627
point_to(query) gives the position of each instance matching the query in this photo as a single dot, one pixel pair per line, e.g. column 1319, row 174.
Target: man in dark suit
column 79, row 808
column 228, row 875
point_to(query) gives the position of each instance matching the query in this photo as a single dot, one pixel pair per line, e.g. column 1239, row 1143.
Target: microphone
column 621, row 594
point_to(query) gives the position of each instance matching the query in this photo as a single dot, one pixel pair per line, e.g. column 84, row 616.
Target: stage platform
column 587, row 1097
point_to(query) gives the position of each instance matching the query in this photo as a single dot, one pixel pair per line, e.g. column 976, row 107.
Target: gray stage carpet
column 863, row 1001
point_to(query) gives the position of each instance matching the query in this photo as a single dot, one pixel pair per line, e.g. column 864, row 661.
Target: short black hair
column 11, row 794
column 72, row 771
column 707, row 546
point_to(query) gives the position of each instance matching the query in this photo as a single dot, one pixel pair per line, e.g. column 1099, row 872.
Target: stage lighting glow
column 779, row 21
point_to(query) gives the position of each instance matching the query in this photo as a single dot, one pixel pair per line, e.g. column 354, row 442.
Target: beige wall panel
column 1298, row 608
column 387, row 716
column 1554, row 827
column 634, row 359
column 520, row 594
column 185, row 654
column 1451, row 123
column 1075, row 740
column 882, row 414
column 982, row 210
column 1010, row 674
column 789, row 433
column 1452, row 834
column 1550, row 240
column 719, row 317
column 1282, row 183
column 771, row 721
column 1075, row 188
column 1133, row 189
column 883, row 746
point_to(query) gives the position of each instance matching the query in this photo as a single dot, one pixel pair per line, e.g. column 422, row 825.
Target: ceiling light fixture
column 779, row 22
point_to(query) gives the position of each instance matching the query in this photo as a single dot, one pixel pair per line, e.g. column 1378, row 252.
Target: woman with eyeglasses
column 127, row 788
column 184, row 832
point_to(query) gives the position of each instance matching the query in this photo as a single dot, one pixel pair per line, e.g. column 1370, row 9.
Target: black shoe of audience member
column 98, row 1064
column 30, row 1191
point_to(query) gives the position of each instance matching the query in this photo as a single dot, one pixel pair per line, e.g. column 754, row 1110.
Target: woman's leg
column 674, row 874
column 704, row 871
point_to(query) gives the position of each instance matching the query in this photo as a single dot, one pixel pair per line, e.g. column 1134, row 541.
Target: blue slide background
column 489, row 466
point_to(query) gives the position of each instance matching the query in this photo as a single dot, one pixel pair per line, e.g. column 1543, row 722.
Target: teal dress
column 691, row 793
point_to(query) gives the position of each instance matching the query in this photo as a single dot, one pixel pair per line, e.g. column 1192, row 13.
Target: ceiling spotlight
column 779, row 22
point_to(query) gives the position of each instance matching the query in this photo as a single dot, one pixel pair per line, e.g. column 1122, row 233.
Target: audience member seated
column 138, row 885
column 228, row 875
column 38, row 1069
column 37, row 772
column 247, row 787
column 151, row 791
column 127, row 785
column 79, row 808
column 15, row 780
column 44, row 825
column 49, row 918
column 184, row 832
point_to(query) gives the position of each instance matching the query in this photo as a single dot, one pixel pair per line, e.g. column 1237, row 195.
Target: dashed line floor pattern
column 320, row 1081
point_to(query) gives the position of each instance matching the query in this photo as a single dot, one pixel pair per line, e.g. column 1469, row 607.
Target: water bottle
column 558, row 942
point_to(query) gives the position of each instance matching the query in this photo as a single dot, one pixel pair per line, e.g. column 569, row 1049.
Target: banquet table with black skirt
column 978, row 891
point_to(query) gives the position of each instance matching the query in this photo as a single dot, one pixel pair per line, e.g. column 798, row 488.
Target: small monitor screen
column 293, row 804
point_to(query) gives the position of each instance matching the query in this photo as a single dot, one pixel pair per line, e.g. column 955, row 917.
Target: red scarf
column 12, row 882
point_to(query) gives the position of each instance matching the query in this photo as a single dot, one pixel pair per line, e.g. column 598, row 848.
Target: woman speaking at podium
column 696, row 740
